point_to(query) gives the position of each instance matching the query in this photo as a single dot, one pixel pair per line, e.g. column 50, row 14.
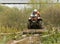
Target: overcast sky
column 16, row 1
column 12, row 1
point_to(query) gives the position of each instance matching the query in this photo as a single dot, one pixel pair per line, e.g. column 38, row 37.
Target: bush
column 51, row 15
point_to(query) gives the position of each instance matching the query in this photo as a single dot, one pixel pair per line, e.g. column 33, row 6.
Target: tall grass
column 52, row 39
column 13, row 20
column 51, row 15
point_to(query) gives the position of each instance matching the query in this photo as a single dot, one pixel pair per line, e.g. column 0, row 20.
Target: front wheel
column 40, row 25
column 28, row 25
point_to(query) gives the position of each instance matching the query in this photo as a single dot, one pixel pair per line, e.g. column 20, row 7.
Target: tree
column 34, row 5
column 43, row 3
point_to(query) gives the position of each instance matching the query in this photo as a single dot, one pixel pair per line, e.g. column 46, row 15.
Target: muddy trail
column 33, row 38
column 27, row 40
column 28, row 36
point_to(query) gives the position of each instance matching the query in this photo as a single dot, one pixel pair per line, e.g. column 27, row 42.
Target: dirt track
column 28, row 40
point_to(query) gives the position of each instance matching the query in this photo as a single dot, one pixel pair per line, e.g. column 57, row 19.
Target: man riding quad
column 35, row 20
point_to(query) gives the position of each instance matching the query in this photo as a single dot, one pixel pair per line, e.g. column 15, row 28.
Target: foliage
column 14, row 20
column 51, row 15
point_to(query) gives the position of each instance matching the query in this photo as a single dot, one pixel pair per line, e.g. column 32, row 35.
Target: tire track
column 34, row 39
column 26, row 40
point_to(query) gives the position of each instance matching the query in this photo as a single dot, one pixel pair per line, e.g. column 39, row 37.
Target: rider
column 35, row 12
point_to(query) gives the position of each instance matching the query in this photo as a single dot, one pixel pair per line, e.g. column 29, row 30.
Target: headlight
column 32, row 15
column 29, row 18
column 35, row 14
column 38, row 17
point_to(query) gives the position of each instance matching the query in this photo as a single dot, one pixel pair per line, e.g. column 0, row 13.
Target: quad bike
column 35, row 23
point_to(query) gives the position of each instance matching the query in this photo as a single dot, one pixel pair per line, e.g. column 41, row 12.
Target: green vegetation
column 51, row 15
column 13, row 20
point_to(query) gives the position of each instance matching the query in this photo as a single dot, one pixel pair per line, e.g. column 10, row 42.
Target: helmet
column 35, row 10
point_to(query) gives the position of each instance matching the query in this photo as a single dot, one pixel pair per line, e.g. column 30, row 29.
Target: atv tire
column 40, row 25
column 28, row 25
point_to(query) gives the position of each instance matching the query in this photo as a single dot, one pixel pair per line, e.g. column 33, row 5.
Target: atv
column 34, row 23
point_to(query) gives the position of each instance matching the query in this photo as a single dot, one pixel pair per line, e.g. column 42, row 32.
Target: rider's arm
column 38, row 14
